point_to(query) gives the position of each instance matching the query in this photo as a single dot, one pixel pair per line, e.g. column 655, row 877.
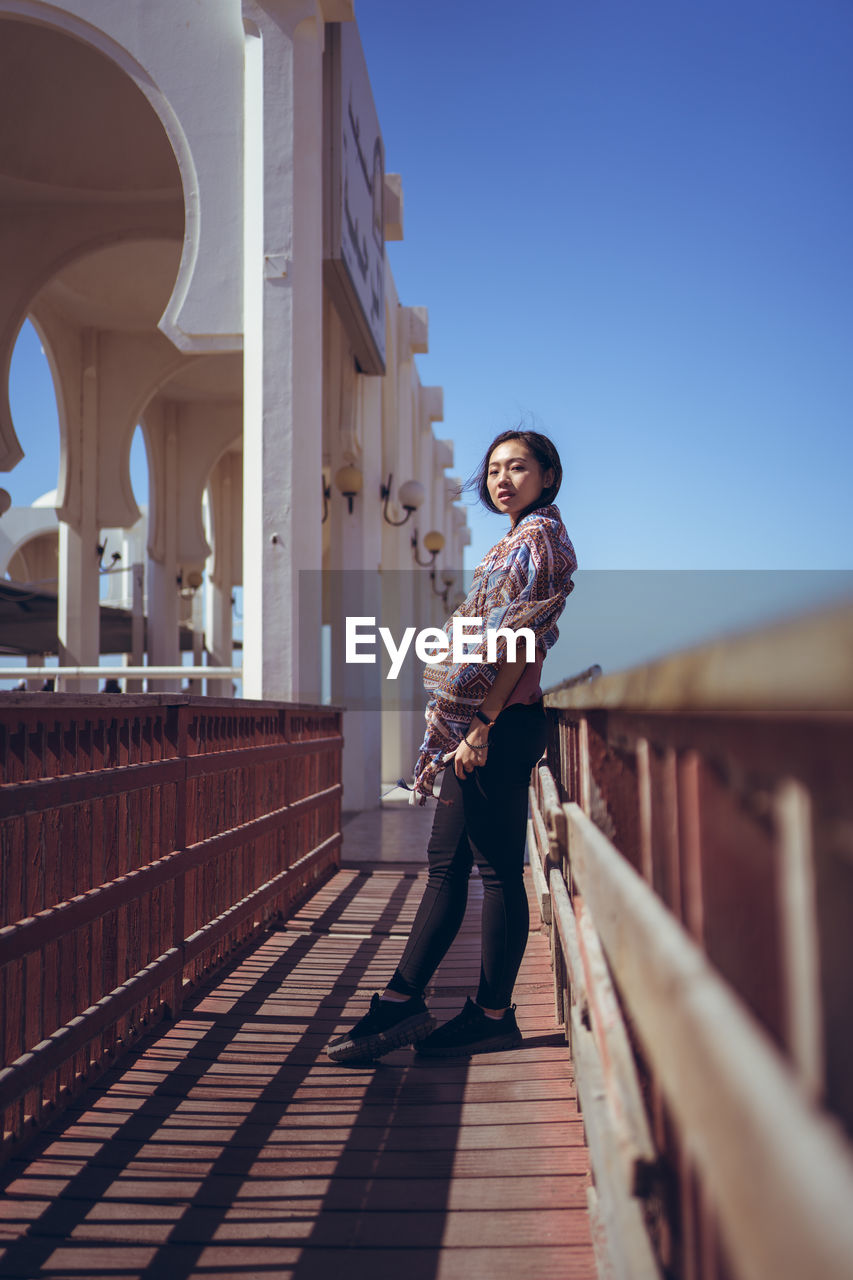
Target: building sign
column 354, row 234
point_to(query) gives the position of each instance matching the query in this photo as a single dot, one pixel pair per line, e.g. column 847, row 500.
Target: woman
column 486, row 728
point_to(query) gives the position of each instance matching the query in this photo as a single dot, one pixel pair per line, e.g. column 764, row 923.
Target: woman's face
column 515, row 478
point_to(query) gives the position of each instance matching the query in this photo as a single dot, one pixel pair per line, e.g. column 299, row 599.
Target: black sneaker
column 471, row 1031
column 388, row 1024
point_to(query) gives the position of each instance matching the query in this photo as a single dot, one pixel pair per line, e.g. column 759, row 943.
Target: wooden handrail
column 728, row 1086
column 142, row 840
column 797, row 668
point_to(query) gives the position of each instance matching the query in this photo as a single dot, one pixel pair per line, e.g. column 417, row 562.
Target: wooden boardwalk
column 230, row 1145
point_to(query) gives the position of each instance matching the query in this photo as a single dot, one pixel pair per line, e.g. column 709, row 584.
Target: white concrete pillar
column 283, row 333
column 197, row 623
column 219, row 633
column 136, row 657
column 402, row 713
column 78, row 618
column 163, row 600
column 403, row 719
column 359, row 543
column 222, row 571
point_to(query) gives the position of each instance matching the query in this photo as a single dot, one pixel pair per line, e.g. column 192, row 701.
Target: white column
column 197, row 621
column 402, row 716
column 283, row 330
column 403, row 719
column 219, row 626
column 219, row 630
column 358, row 541
column 163, row 647
column 78, row 620
column 136, row 657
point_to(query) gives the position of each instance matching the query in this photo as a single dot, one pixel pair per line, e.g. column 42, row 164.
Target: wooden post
column 644, row 806
column 800, row 948
column 583, row 762
column 691, row 852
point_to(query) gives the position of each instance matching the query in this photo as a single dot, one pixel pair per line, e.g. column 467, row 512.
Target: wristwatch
column 480, row 715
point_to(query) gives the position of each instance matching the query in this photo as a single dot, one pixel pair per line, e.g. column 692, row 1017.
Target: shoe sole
column 369, row 1048
column 513, row 1041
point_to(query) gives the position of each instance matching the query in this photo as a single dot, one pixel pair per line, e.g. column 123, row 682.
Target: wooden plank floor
column 231, row 1146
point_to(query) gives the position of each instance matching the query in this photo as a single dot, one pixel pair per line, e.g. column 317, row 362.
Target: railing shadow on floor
column 690, row 842
column 225, row 1140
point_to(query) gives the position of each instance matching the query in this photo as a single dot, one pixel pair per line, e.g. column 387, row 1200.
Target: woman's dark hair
column 545, row 453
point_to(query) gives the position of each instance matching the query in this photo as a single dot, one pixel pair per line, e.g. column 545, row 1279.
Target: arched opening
column 139, row 473
column 91, row 237
column 33, row 403
column 35, row 561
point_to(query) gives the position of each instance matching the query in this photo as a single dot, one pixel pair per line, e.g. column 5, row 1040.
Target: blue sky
column 631, row 226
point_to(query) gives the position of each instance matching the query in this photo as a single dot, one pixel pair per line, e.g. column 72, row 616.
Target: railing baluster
column 690, row 861
column 800, row 943
column 212, row 795
column 644, row 809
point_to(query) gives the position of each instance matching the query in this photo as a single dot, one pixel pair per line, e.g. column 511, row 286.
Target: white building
column 194, row 216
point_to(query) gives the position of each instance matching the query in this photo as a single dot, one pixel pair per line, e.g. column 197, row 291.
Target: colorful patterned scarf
column 523, row 581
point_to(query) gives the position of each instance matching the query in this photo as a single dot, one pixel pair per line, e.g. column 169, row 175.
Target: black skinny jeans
column 485, row 822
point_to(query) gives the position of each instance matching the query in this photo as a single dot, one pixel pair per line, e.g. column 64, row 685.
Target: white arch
column 172, row 322
column 78, row 245
column 22, row 525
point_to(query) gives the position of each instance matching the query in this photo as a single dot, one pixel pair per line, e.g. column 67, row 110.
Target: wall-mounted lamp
column 410, row 496
column 448, row 577
column 100, row 549
column 433, row 541
column 189, row 584
column 349, row 481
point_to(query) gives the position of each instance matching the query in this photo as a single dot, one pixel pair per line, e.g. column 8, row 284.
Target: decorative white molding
column 432, row 405
column 444, row 454
column 393, row 206
column 413, row 332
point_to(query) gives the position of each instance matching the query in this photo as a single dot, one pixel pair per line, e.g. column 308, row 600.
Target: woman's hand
column 465, row 758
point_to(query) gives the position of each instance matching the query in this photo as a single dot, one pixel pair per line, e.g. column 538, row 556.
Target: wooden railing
column 142, row 840
column 692, row 844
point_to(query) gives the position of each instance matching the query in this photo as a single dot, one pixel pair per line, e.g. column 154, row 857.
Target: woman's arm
column 505, row 681
column 507, row 678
